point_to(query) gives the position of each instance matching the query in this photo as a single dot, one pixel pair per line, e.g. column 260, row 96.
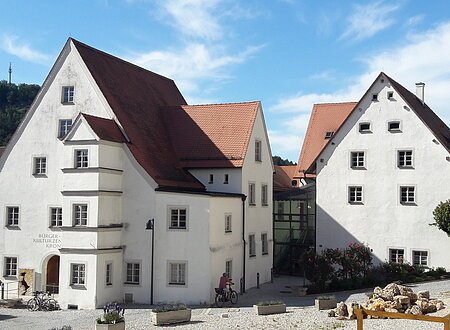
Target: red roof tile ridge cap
column 76, row 42
column 337, row 103
column 225, row 103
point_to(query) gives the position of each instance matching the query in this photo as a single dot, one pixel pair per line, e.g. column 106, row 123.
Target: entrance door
column 52, row 284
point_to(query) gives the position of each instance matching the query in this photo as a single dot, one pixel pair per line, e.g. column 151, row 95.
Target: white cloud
column 11, row 45
column 368, row 20
column 423, row 58
column 414, row 20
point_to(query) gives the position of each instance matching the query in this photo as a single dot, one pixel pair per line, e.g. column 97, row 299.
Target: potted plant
column 170, row 313
column 112, row 318
column 270, row 307
column 325, row 302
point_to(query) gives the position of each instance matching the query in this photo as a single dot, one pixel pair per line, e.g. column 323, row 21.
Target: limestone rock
column 392, row 288
column 351, row 310
column 341, row 309
column 423, row 294
column 404, row 300
column 416, row 310
column 404, row 290
column 439, row 305
column 331, row 313
column 391, row 310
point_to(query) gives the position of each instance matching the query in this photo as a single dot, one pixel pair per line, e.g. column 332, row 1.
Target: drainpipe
column 243, row 240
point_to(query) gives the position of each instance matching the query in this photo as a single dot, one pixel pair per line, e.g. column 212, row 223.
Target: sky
column 289, row 54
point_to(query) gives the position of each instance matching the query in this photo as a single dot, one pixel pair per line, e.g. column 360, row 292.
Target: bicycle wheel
column 219, row 300
column 52, row 304
column 32, row 305
column 233, row 297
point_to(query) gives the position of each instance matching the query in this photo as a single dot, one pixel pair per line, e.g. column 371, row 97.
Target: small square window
column 328, row 135
column 178, row 218
column 420, row 258
column 133, row 274
column 251, row 246
column 81, row 158
column 374, row 97
column 390, row 95
column 264, row 244
column 405, row 158
column 211, row 179
column 251, row 194
column 397, row 255
column 55, row 216
column 64, row 127
column 12, row 216
column 394, row 126
column 78, row 274
column 364, row 128
column 40, row 166
column 355, row 194
column 407, row 195
column 67, row 94
column 225, row 179
column 177, row 274
column 228, row 222
column 357, row 160
column 10, row 266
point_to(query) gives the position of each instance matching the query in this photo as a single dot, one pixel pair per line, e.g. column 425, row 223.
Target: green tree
column 441, row 216
column 277, row 160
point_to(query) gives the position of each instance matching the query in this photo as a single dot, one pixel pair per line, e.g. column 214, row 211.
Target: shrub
column 441, row 215
column 169, row 308
column 317, row 268
column 112, row 314
column 441, row 270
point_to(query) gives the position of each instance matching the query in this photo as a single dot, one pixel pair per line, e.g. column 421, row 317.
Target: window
column 355, row 194
column 211, row 179
column 264, row 244
column 80, row 214
column 405, row 158
column 229, row 268
column 251, row 194
column 420, row 258
column 364, row 128
column 225, row 179
column 10, row 266
column 108, row 274
column 133, row 273
column 390, row 95
column 257, row 151
column 67, row 94
column 251, row 245
column 64, row 127
column 81, row 158
column 228, row 223
column 394, row 126
column 12, row 216
column 40, row 166
column 407, row 195
column 177, row 274
column 357, row 160
column 328, row 135
column 78, row 274
column 178, row 218
column 396, row 255
column 264, row 195
column 374, row 97
column 55, row 216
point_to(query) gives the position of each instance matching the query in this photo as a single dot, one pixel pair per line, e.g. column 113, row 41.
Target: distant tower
column 10, row 73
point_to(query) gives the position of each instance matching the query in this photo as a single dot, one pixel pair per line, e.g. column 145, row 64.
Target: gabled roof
column 325, row 117
column 211, row 135
column 2, row 149
column 106, row 129
column 135, row 96
column 282, row 178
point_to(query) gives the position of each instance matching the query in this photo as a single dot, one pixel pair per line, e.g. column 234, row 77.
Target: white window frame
column 109, row 273
column 78, row 209
column 14, row 221
column 368, row 130
column 130, row 278
column 252, row 193
column 420, row 263
column 228, row 223
column 408, row 189
column 258, row 151
column 64, row 127
column 394, row 130
column 179, row 215
column 81, row 158
column 264, row 194
column 55, row 218
column 264, row 244
column 356, row 197
column 404, row 158
column 396, row 259
column 9, row 270
column 251, row 246
column 68, row 93
column 80, row 279
column 181, row 273
column 359, row 156
column 229, row 267
column 39, row 165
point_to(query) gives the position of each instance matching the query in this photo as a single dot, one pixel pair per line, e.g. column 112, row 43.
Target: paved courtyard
column 300, row 313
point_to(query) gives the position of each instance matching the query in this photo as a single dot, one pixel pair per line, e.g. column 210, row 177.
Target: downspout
column 243, row 240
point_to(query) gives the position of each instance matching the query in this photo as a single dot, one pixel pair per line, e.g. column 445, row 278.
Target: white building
column 382, row 165
column 105, row 147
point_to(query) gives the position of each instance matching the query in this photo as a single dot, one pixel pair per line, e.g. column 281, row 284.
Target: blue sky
column 287, row 53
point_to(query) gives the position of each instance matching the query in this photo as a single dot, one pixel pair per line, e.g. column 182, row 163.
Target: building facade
column 107, row 146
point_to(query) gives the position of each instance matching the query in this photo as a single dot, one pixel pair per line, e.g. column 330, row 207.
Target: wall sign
column 51, row 241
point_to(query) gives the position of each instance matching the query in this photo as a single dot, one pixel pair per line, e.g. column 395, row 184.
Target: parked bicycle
column 41, row 301
column 223, row 296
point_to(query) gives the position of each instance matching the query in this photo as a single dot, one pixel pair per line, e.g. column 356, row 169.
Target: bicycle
column 223, row 296
column 41, row 301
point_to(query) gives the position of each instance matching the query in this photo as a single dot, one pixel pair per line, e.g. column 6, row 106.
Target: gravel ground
column 301, row 315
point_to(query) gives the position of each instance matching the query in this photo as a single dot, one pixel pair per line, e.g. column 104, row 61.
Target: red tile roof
column 326, row 117
column 282, row 178
column 211, row 135
column 106, row 129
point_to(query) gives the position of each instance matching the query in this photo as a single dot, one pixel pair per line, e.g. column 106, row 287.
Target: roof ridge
column 330, row 103
column 75, row 41
column 225, row 103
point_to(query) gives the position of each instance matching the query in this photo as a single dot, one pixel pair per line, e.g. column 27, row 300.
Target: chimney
column 420, row 91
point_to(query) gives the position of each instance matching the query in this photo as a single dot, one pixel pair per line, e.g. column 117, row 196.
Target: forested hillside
column 14, row 102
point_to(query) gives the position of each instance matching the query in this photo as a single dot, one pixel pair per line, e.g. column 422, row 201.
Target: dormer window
column 328, row 135
column 67, row 94
column 364, row 128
